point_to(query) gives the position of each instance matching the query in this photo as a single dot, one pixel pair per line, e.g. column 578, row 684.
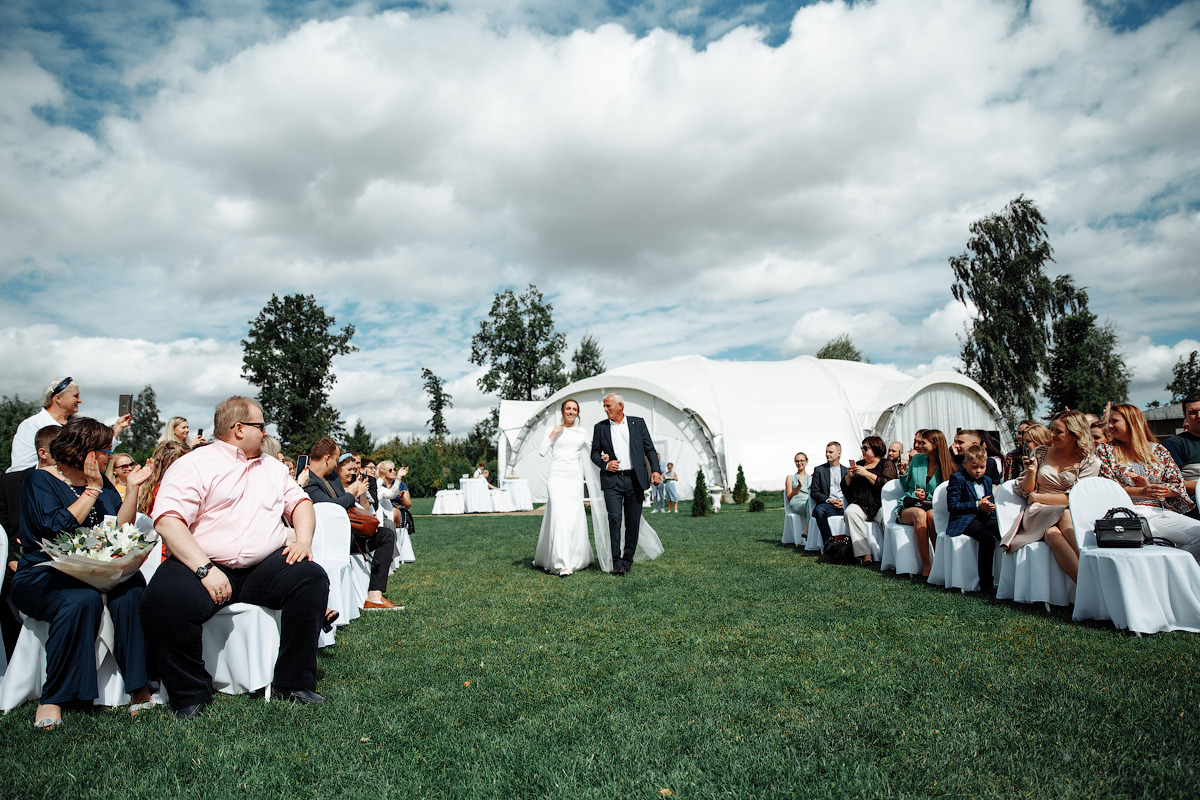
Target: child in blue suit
column 973, row 509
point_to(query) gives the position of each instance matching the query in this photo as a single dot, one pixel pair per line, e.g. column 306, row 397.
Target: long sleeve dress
column 563, row 540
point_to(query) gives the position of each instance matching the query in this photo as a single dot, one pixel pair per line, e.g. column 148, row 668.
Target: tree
column 701, row 502
column 1085, row 369
column 842, row 349
column 588, row 358
column 520, row 346
column 1002, row 275
column 1185, row 377
column 142, row 436
column 360, row 440
column 480, row 441
column 439, row 401
column 740, row 492
column 13, row 411
column 289, row 357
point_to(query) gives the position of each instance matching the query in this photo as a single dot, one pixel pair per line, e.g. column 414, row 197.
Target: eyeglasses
column 262, row 426
column 62, row 386
column 130, row 465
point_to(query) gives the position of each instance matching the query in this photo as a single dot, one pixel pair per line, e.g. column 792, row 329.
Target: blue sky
column 739, row 180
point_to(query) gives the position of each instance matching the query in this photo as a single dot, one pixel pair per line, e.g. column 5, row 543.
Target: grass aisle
column 731, row 667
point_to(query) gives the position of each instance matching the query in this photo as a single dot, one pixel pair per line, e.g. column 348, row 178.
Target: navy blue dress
column 73, row 608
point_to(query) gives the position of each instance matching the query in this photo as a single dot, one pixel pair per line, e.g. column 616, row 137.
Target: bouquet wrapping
column 103, row 555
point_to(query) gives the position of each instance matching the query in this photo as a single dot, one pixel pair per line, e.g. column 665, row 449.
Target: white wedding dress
column 563, row 540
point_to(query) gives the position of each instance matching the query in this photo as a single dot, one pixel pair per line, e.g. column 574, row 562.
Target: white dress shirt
column 620, row 441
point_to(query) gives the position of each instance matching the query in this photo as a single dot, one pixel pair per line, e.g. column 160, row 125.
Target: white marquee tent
column 716, row 415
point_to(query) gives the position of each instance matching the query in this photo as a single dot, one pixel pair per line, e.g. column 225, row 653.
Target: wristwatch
column 202, row 571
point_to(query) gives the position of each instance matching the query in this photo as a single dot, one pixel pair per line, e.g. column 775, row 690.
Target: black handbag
column 838, row 550
column 1120, row 527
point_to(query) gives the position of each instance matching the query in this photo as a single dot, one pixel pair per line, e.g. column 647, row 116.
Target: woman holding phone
column 1050, row 473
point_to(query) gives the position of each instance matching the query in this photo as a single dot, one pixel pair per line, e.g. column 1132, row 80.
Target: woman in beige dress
column 1050, row 473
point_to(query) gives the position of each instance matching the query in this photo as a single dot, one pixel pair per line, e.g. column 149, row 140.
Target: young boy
column 973, row 509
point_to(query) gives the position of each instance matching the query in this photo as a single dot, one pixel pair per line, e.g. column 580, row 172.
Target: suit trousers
column 987, row 533
column 175, row 605
column 623, row 498
column 381, row 546
column 821, row 513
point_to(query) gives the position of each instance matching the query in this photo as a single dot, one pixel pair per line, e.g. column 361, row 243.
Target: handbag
column 1120, row 527
column 362, row 523
column 838, row 550
column 912, row 502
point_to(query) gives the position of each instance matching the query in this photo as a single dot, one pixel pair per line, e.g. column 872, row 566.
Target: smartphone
column 852, row 463
column 301, row 464
column 200, row 433
column 125, row 405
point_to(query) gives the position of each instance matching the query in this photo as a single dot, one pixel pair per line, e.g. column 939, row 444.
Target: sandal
column 49, row 723
column 137, row 708
column 330, row 618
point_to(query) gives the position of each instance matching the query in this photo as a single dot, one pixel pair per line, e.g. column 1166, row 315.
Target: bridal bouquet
column 103, row 555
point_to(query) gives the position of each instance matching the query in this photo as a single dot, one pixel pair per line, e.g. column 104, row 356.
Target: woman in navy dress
column 75, row 494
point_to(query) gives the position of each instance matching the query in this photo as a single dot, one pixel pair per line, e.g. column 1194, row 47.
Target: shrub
column 757, row 505
column 740, row 493
column 701, row 502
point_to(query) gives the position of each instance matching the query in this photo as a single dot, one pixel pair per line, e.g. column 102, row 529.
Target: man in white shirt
column 60, row 401
column 621, row 446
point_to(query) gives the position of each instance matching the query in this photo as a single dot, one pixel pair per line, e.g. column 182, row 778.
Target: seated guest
column 895, row 452
column 964, row 439
column 371, row 476
column 1099, row 432
column 863, row 485
column 394, row 497
column 176, row 430
column 1049, row 475
column 164, row 456
column 1150, row 476
column 271, row 447
column 1185, row 447
column 1035, row 437
column 1014, row 459
column 972, row 508
column 60, row 400
column 825, row 489
column 932, row 465
column 74, row 495
column 119, row 466
column 288, row 462
column 796, row 488
column 221, row 513
column 327, row 468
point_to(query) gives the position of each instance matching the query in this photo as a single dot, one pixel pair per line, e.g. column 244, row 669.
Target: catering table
column 448, row 501
column 500, row 500
column 476, row 499
column 518, row 490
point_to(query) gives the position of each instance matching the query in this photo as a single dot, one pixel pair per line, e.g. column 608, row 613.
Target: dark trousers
column 987, row 532
column 74, row 610
column 623, row 498
column 176, row 605
column 381, row 546
column 822, row 513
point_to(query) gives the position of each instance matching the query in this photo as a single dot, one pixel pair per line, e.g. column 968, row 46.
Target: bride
column 562, row 545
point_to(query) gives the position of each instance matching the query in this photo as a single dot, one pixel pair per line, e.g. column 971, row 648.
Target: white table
column 518, row 490
column 501, row 501
column 476, row 499
column 448, row 501
column 1143, row 589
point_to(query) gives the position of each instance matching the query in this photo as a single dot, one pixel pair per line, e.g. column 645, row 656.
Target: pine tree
column 142, row 436
column 740, row 493
column 701, row 502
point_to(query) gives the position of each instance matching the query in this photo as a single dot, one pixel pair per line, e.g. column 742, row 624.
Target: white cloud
column 816, row 328
column 940, row 331
column 1151, row 365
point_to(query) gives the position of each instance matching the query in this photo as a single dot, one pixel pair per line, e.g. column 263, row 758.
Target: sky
column 736, row 180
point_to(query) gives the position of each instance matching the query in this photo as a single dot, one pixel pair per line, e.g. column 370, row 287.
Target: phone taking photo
column 301, row 465
column 125, row 405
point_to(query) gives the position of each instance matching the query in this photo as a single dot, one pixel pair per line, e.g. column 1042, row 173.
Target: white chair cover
column 448, row 501
column 955, row 558
column 1030, row 575
column 1146, row 589
column 241, row 644
column 791, row 526
column 837, row 527
column 519, row 491
column 331, row 549
column 476, row 499
column 899, row 542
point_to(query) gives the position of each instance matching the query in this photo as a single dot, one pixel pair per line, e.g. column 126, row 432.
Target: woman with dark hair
column 863, row 486
column 562, row 545
column 1150, row 477
column 931, row 465
column 76, row 494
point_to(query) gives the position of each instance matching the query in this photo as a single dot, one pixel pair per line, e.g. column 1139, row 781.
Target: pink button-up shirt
column 234, row 506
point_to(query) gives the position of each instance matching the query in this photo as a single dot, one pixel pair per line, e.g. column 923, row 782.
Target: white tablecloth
column 501, row 501
column 476, row 499
column 448, row 501
column 1144, row 589
column 518, row 490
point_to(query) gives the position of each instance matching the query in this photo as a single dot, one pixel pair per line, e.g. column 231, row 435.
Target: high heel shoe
column 330, row 618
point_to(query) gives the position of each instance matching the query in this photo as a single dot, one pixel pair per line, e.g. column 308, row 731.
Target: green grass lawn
column 731, row 667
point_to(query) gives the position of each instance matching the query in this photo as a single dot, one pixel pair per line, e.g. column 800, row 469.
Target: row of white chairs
column 1145, row 590
column 241, row 641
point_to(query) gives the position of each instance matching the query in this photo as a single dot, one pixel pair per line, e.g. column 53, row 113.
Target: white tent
column 716, row 415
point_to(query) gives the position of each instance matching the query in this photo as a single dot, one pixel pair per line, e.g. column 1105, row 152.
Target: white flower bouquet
column 101, row 556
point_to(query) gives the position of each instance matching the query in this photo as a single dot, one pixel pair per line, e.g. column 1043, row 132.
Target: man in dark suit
column 621, row 446
column 826, row 490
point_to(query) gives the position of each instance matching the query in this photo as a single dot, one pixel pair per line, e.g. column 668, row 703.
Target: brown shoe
column 384, row 604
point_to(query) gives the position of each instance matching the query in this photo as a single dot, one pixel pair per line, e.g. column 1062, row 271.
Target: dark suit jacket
column 641, row 449
column 963, row 504
column 821, row 482
column 319, row 494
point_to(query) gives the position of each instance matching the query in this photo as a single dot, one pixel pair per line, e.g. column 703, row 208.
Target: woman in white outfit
column 563, row 545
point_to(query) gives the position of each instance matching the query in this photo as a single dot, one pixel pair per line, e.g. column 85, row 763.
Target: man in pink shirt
column 220, row 513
